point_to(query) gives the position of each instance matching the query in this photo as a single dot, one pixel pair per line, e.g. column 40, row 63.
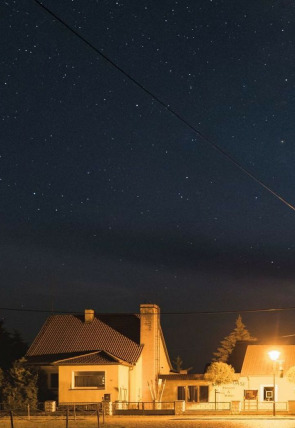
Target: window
column 54, row 380
column 180, row 393
column 268, row 393
column 204, row 394
column 250, row 394
column 89, row 380
column 192, row 393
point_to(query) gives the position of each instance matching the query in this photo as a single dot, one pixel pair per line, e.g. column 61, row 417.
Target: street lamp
column 274, row 355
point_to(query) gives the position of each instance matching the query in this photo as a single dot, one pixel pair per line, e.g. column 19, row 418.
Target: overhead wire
column 168, row 108
column 217, row 312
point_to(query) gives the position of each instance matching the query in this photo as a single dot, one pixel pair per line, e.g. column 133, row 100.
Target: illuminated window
column 89, row 380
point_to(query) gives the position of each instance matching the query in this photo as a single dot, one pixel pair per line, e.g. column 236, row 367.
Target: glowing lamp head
column 274, row 355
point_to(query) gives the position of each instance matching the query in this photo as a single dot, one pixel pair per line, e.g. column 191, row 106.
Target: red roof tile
column 62, row 334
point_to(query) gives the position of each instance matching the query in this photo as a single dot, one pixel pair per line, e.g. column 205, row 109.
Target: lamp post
column 274, row 355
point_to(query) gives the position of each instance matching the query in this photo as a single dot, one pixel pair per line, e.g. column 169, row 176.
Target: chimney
column 88, row 315
column 150, row 338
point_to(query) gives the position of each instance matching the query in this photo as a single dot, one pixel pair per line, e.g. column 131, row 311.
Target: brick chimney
column 88, row 315
column 150, row 338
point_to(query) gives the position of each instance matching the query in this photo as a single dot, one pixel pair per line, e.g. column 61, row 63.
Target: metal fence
column 62, row 416
column 264, row 406
column 79, row 410
column 209, row 406
column 143, row 408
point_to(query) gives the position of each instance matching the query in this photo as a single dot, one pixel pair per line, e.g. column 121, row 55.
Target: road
column 153, row 422
column 197, row 422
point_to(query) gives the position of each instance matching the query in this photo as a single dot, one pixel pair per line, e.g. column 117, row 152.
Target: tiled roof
column 258, row 363
column 126, row 324
column 88, row 359
column 65, row 334
column 50, row 358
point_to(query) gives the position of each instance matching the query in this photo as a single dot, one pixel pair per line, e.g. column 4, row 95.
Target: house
column 92, row 357
column 258, row 381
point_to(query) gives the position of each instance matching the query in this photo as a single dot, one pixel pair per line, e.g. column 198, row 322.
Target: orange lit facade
column 258, row 381
column 91, row 358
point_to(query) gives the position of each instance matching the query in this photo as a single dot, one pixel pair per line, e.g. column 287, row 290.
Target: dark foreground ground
column 155, row 422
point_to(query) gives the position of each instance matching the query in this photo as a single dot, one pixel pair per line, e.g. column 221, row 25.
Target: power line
column 167, row 107
column 219, row 312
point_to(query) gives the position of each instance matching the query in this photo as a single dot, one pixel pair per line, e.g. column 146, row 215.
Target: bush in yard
column 220, row 373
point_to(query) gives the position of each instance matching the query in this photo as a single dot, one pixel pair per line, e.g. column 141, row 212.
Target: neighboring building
column 258, row 371
column 93, row 357
column 192, row 388
column 252, row 388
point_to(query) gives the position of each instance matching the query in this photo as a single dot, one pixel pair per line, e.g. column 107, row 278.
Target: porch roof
column 93, row 358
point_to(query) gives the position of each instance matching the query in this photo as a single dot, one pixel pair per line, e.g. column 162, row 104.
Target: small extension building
column 258, row 383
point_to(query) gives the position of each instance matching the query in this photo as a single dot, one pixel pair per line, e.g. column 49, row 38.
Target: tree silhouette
column 227, row 345
column 12, row 347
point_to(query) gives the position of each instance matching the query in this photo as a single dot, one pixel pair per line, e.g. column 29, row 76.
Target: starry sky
column 110, row 199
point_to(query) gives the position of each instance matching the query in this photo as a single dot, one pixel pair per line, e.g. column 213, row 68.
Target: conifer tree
column 19, row 386
column 12, row 347
column 227, row 345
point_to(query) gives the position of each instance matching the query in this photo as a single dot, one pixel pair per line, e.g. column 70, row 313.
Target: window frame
column 268, row 393
column 192, row 394
column 182, row 395
column 83, row 373
column 199, row 395
column 251, row 394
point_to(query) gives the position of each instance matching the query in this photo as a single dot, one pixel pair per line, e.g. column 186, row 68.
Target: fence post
column 29, row 414
column 103, row 412
column 74, row 412
column 11, row 419
column 67, row 417
column 97, row 414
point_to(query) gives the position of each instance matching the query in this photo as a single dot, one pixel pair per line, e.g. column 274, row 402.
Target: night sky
column 109, row 200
